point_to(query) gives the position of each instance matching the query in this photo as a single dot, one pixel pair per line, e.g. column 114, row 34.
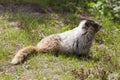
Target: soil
column 33, row 9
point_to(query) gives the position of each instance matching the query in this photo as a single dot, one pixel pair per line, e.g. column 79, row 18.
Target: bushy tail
column 19, row 57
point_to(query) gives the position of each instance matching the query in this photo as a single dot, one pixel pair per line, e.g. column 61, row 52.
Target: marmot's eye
column 87, row 24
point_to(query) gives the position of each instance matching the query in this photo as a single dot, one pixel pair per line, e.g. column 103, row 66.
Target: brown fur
column 48, row 44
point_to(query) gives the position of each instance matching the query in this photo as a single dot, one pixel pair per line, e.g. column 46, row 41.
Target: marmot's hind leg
column 49, row 44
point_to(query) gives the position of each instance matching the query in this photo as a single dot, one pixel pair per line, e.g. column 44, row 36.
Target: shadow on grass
column 86, row 58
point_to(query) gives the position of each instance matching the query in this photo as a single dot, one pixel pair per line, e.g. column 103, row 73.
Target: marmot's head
column 89, row 25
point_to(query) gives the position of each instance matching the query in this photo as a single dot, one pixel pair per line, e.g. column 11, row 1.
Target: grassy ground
column 25, row 28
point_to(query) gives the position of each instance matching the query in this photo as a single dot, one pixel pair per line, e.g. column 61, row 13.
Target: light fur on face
column 77, row 41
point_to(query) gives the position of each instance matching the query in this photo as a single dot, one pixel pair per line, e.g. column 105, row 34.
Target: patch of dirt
column 95, row 73
column 85, row 16
column 34, row 9
column 7, row 69
column 28, row 8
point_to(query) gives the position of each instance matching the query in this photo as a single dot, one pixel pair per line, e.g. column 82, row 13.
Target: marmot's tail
column 19, row 57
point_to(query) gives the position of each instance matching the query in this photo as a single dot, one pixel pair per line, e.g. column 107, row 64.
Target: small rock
column 101, row 46
column 27, row 66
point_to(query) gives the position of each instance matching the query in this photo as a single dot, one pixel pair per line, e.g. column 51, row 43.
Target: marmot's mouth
column 99, row 27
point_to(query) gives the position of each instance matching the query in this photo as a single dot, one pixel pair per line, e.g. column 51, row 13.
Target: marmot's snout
column 97, row 27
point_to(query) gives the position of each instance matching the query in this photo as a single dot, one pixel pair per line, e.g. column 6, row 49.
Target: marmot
column 77, row 41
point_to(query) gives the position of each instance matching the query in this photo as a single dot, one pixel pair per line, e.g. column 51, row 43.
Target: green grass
column 19, row 30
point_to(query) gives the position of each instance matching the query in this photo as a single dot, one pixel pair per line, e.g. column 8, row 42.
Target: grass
column 19, row 30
